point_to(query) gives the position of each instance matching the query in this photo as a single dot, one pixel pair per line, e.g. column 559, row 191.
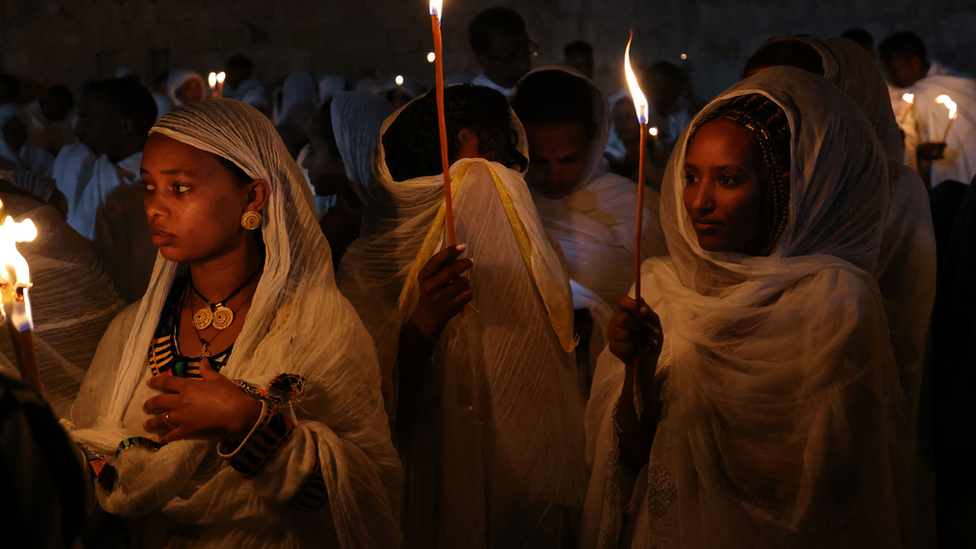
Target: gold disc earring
column 251, row 220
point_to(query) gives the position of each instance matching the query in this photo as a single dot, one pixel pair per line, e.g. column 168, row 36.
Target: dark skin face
column 105, row 132
column 508, row 59
column 235, row 76
column 903, row 73
column 558, row 155
column 326, row 170
column 724, row 187
column 190, row 92
column 15, row 133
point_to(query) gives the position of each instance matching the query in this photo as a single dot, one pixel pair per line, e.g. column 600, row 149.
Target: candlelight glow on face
column 15, row 279
column 640, row 102
column 949, row 103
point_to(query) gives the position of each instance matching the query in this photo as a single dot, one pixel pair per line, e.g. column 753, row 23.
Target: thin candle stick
column 442, row 126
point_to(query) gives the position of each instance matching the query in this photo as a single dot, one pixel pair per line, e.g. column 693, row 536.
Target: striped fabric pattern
column 313, row 493
column 270, row 433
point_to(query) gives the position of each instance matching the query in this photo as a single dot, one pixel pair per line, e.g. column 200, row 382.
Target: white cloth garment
column 482, row 80
column 69, row 318
column 329, row 86
column 595, row 224
column 251, row 91
column 298, row 97
column 50, row 135
column 86, row 179
column 357, row 118
column 176, row 81
column 298, row 323
column 926, row 121
column 31, row 156
column 492, row 443
column 783, row 423
column 163, row 105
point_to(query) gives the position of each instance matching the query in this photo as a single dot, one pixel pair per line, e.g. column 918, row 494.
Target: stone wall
column 70, row 41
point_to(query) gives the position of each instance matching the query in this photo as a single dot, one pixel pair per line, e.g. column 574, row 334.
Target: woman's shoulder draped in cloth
column 298, row 324
column 476, row 467
column 72, row 300
column 780, row 381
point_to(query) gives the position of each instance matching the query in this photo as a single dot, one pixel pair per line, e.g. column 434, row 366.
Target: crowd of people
column 256, row 331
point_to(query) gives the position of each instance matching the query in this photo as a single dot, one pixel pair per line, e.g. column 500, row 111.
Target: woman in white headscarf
column 16, row 152
column 298, row 105
column 593, row 214
column 295, row 451
column 185, row 86
column 772, row 411
column 490, row 428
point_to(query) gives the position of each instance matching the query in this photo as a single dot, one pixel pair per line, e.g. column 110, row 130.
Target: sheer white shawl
column 357, row 118
column 595, row 225
column 783, row 418
column 298, row 323
column 493, row 448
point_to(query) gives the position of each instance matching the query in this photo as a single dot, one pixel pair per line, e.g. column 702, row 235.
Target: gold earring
column 251, row 220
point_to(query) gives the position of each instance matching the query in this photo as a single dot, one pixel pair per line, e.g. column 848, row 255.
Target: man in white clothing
column 97, row 175
column 936, row 155
column 502, row 47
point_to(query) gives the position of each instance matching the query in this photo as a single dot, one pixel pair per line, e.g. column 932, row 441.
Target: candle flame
column 431, row 57
column 436, row 8
column 908, row 98
column 212, row 79
column 949, row 103
column 652, row 131
column 221, row 76
column 640, row 102
column 399, row 80
column 15, row 279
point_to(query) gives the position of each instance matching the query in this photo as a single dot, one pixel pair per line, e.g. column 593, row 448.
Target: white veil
column 298, row 323
column 783, row 420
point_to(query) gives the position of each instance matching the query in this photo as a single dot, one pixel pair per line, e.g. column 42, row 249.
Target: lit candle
column 910, row 99
column 653, row 131
column 220, row 83
column 640, row 104
column 399, row 80
column 951, row 105
column 212, row 80
column 436, row 10
column 14, row 283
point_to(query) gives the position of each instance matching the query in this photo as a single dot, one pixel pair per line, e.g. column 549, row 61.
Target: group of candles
column 14, row 285
column 942, row 100
column 216, row 81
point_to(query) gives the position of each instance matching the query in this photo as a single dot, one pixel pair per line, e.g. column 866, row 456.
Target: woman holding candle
column 489, row 411
column 773, row 415
column 255, row 420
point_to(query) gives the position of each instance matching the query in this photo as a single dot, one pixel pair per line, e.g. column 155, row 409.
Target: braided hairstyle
column 768, row 123
column 412, row 142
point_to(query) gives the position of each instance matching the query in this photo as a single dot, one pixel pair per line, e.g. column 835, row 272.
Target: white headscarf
column 176, row 81
column 356, row 121
column 329, row 86
column 298, row 98
column 780, row 383
column 298, row 323
column 476, row 460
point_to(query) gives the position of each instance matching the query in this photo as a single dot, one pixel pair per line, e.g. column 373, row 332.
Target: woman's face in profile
column 724, row 187
column 193, row 203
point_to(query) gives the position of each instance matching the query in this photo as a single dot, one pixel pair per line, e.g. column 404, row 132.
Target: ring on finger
column 166, row 421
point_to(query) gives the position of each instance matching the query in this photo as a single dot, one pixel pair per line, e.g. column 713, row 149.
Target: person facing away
column 771, row 414
column 298, row 106
column 488, row 410
column 241, row 84
column 910, row 70
column 238, row 403
column 502, row 47
column 97, row 175
column 50, row 119
column 592, row 214
column 343, row 136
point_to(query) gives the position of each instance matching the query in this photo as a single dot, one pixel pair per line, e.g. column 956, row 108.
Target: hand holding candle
column 14, row 283
column 951, row 105
column 436, row 7
column 640, row 103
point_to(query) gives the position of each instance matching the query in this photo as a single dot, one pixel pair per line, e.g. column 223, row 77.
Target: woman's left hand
column 208, row 408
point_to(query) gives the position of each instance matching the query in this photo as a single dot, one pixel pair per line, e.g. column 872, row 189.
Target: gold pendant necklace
column 217, row 314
